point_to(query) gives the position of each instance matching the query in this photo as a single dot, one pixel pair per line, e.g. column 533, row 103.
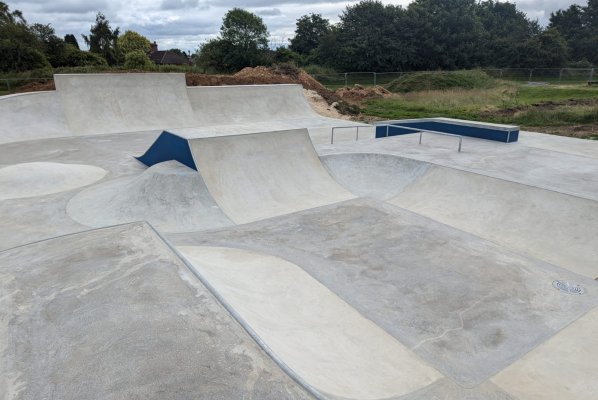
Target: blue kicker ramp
column 499, row 133
column 168, row 147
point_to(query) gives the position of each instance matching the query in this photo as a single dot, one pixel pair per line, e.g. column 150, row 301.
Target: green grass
column 527, row 106
column 442, row 80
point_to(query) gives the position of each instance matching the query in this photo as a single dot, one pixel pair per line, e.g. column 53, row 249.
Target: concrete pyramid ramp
column 262, row 175
column 114, row 314
column 555, row 227
column 169, row 195
column 111, row 103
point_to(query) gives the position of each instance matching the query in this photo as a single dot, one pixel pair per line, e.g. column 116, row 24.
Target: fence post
column 560, row 74
column 374, row 78
column 531, row 71
column 592, row 74
column 8, row 84
column 346, row 84
column 501, row 73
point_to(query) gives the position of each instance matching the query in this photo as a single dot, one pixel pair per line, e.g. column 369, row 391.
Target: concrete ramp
column 555, row 227
column 261, row 175
column 255, row 103
column 111, row 103
column 115, row 314
column 30, row 116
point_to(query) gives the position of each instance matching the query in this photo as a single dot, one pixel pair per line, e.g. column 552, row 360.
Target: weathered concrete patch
column 551, row 226
column 319, row 336
column 42, row 178
column 566, row 366
column 113, row 314
column 467, row 306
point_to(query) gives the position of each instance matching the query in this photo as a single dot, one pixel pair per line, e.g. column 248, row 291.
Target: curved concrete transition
column 114, row 314
column 554, row 227
column 380, row 176
column 93, row 104
column 320, row 337
column 262, row 175
column 41, row 178
column 169, row 195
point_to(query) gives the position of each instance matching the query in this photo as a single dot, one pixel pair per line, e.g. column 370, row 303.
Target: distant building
column 165, row 57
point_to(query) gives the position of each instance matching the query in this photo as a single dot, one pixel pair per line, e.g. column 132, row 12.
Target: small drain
column 568, row 287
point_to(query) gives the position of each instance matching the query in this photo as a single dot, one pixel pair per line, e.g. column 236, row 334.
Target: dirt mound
column 263, row 76
column 358, row 93
column 36, row 87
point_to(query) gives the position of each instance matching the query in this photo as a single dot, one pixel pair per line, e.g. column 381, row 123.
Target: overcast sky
column 186, row 23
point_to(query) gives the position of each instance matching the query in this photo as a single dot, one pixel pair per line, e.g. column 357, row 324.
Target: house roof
column 167, row 57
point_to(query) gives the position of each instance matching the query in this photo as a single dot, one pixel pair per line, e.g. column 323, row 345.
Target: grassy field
column 570, row 110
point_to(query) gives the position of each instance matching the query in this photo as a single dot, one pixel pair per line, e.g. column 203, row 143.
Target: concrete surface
column 41, row 178
column 319, row 336
column 169, row 195
column 113, row 314
column 110, row 103
column 262, row 175
column 563, row 367
column 459, row 283
column 88, row 104
column 558, row 228
column 374, row 175
column 17, row 124
column 519, row 162
column 467, row 306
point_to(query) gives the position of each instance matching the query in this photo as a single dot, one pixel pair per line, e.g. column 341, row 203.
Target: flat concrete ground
column 390, row 295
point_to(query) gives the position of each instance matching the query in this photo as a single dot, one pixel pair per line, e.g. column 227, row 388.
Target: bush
column 138, row 59
column 78, row 58
column 17, row 57
column 442, row 80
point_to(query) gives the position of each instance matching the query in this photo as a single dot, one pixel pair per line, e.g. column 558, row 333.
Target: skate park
column 165, row 241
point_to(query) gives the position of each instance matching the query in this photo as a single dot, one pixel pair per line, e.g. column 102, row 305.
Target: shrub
column 138, row 59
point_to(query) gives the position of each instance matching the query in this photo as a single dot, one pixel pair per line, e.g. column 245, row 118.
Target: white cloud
column 187, row 23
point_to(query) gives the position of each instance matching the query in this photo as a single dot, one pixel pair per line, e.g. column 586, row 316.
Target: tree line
column 447, row 34
column 370, row 36
column 26, row 46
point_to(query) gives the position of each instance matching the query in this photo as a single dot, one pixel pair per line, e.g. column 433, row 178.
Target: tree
column 243, row 42
column 579, row 26
column 178, row 52
column 20, row 48
column 72, row 40
column 504, row 29
column 53, row 47
column 371, row 36
column 447, row 33
column 138, row 59
column 132, row 41
column 102, row 39
column 309, row 33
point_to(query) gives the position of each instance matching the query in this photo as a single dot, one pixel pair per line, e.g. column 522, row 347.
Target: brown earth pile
column 263, row 76
column 358, row 93
column 36, row 87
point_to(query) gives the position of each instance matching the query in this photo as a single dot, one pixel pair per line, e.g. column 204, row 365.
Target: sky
column 185, row 24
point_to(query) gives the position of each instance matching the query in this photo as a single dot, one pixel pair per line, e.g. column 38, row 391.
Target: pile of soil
column 264, row 75
column 358, row 93
column 36, row 87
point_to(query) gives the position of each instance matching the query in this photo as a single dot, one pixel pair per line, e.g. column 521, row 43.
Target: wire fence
column 548, row 75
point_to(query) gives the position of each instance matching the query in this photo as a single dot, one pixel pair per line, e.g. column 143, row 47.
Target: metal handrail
column 422, row 131
column 346, row 127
